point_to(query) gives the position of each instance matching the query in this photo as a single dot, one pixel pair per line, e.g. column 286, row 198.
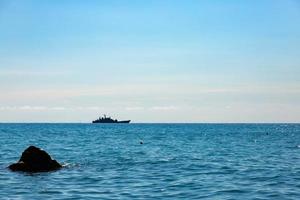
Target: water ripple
column 176, row 161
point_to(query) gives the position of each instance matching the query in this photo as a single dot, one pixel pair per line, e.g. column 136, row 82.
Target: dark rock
column 34, row 159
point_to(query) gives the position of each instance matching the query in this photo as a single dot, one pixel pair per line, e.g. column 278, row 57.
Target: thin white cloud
column 141, row 91
column 3, row 108
column 58, row 108
column 81, row 108
column 164, row 108
column 134, row 108
column 45, row 108
column 93, row 108
column 32, row 108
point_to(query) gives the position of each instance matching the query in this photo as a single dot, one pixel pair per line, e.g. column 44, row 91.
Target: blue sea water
column 175, row 161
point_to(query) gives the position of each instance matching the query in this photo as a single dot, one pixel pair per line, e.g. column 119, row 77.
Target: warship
column 106, row 119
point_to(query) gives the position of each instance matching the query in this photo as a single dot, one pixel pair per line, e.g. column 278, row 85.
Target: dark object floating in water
column 109, row 120
column 34, row 159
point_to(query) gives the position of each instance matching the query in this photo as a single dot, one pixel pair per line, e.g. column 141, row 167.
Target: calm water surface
column 175, row 161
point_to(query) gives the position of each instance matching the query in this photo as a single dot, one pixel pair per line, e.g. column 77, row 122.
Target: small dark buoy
column 141, row 142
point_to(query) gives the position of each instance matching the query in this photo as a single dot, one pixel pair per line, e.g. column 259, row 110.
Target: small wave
column 294, row 147
column 70, row 165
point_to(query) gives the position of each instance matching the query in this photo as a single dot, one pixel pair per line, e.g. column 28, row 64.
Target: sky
column 150, row 61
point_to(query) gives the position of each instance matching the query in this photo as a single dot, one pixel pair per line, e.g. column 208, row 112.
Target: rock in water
column 34, row 159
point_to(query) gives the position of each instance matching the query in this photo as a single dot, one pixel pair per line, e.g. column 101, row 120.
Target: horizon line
column 153, row 123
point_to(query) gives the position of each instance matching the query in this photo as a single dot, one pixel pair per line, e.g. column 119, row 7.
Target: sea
column 155, row 161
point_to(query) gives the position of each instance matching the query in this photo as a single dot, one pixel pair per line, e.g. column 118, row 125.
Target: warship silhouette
column 106, row 119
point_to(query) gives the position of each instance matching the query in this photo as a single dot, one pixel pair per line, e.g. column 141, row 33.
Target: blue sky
column 150, row 61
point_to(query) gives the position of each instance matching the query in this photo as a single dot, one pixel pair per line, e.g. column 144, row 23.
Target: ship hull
column 113, row 122
column 124, row 122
